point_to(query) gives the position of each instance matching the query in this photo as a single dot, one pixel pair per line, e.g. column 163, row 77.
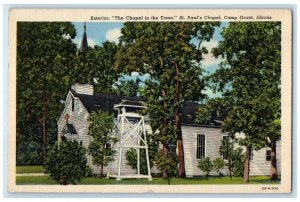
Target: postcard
column 150, row 100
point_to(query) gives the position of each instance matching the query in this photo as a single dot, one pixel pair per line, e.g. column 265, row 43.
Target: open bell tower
column 130, row 132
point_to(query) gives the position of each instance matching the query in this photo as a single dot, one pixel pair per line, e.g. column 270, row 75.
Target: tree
column 101, row 125
column 29, row 153
column 250, row 77
column 94, row 66
column 206, row 166
column 169, row 163
column 131, row 156
column 66, row 163
column 160, row 116
column 44, row 52
column 127, row 87
column 233, row 157
column 273, row 132
column 165, row 52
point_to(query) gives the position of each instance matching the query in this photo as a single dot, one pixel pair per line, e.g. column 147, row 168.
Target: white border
column 227, row 197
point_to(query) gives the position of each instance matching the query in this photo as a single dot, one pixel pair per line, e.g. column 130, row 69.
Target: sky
column 99, row 32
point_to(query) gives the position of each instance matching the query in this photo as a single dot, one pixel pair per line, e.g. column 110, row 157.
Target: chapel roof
column 106, row 102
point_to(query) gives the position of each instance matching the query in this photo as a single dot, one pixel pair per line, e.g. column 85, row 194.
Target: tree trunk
column 274, row 175
column 165, row 173
column 247, row 164
column 101, row 170
column 44, row 135
column 229, row 168
column 43, row 123
column 181, row 167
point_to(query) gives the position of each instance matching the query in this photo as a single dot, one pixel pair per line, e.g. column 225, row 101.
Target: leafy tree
column 167, row 162
column 218, row 164
column 250, row 77
column 127, row 87
column 28, row 143
column 215, row 108
column 273, row 131
column 165, row 52
column 131, row 156
column 233, row 157
column 66, row 163
column 29, row 153
column 94, row 66
column 101, row 125
column 206, row 166
column 160, row 116
column 238, row 166
column 44, row 52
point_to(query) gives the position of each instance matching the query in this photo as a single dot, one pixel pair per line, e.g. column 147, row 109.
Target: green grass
column 30, row 180
column 29, row 169
column 45, row 180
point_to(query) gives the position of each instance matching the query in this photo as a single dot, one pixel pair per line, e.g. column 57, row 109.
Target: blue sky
column 99, row 32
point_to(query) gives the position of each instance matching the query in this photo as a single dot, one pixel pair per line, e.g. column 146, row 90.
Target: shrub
column 169, row 163
column 206, row 166
column 238, row 163
column 218, row 164
column 66, row 163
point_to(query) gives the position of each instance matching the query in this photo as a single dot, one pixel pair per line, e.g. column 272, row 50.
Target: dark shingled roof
column 69, row 128
column 133, row 103
column 189, row 113
column 105, row 102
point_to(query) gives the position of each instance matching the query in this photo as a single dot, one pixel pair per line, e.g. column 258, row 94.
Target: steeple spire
column 84, row 43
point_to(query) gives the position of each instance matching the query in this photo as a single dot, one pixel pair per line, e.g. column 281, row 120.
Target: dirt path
column 31, row 174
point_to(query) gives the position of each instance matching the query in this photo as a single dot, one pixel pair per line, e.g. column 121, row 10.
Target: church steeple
column 84, row 43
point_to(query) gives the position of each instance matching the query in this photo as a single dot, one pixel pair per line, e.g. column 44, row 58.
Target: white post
column 119, row 166
column 148, row 165
column 121, row 144
column 130, row 136
column 147, row 154
column 109, row 169
column 138, row 152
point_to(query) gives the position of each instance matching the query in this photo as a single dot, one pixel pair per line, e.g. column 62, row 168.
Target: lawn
column 45, row 180
column 29, row 169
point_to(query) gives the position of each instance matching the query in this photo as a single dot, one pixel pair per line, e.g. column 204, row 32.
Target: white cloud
column 113, row 35
column 209, row 59
column 135, row 74
column 77, row 41
column 91, row 42
column 209, row 44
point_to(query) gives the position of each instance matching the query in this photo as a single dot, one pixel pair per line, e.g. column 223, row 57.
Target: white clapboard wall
column 213, row 137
